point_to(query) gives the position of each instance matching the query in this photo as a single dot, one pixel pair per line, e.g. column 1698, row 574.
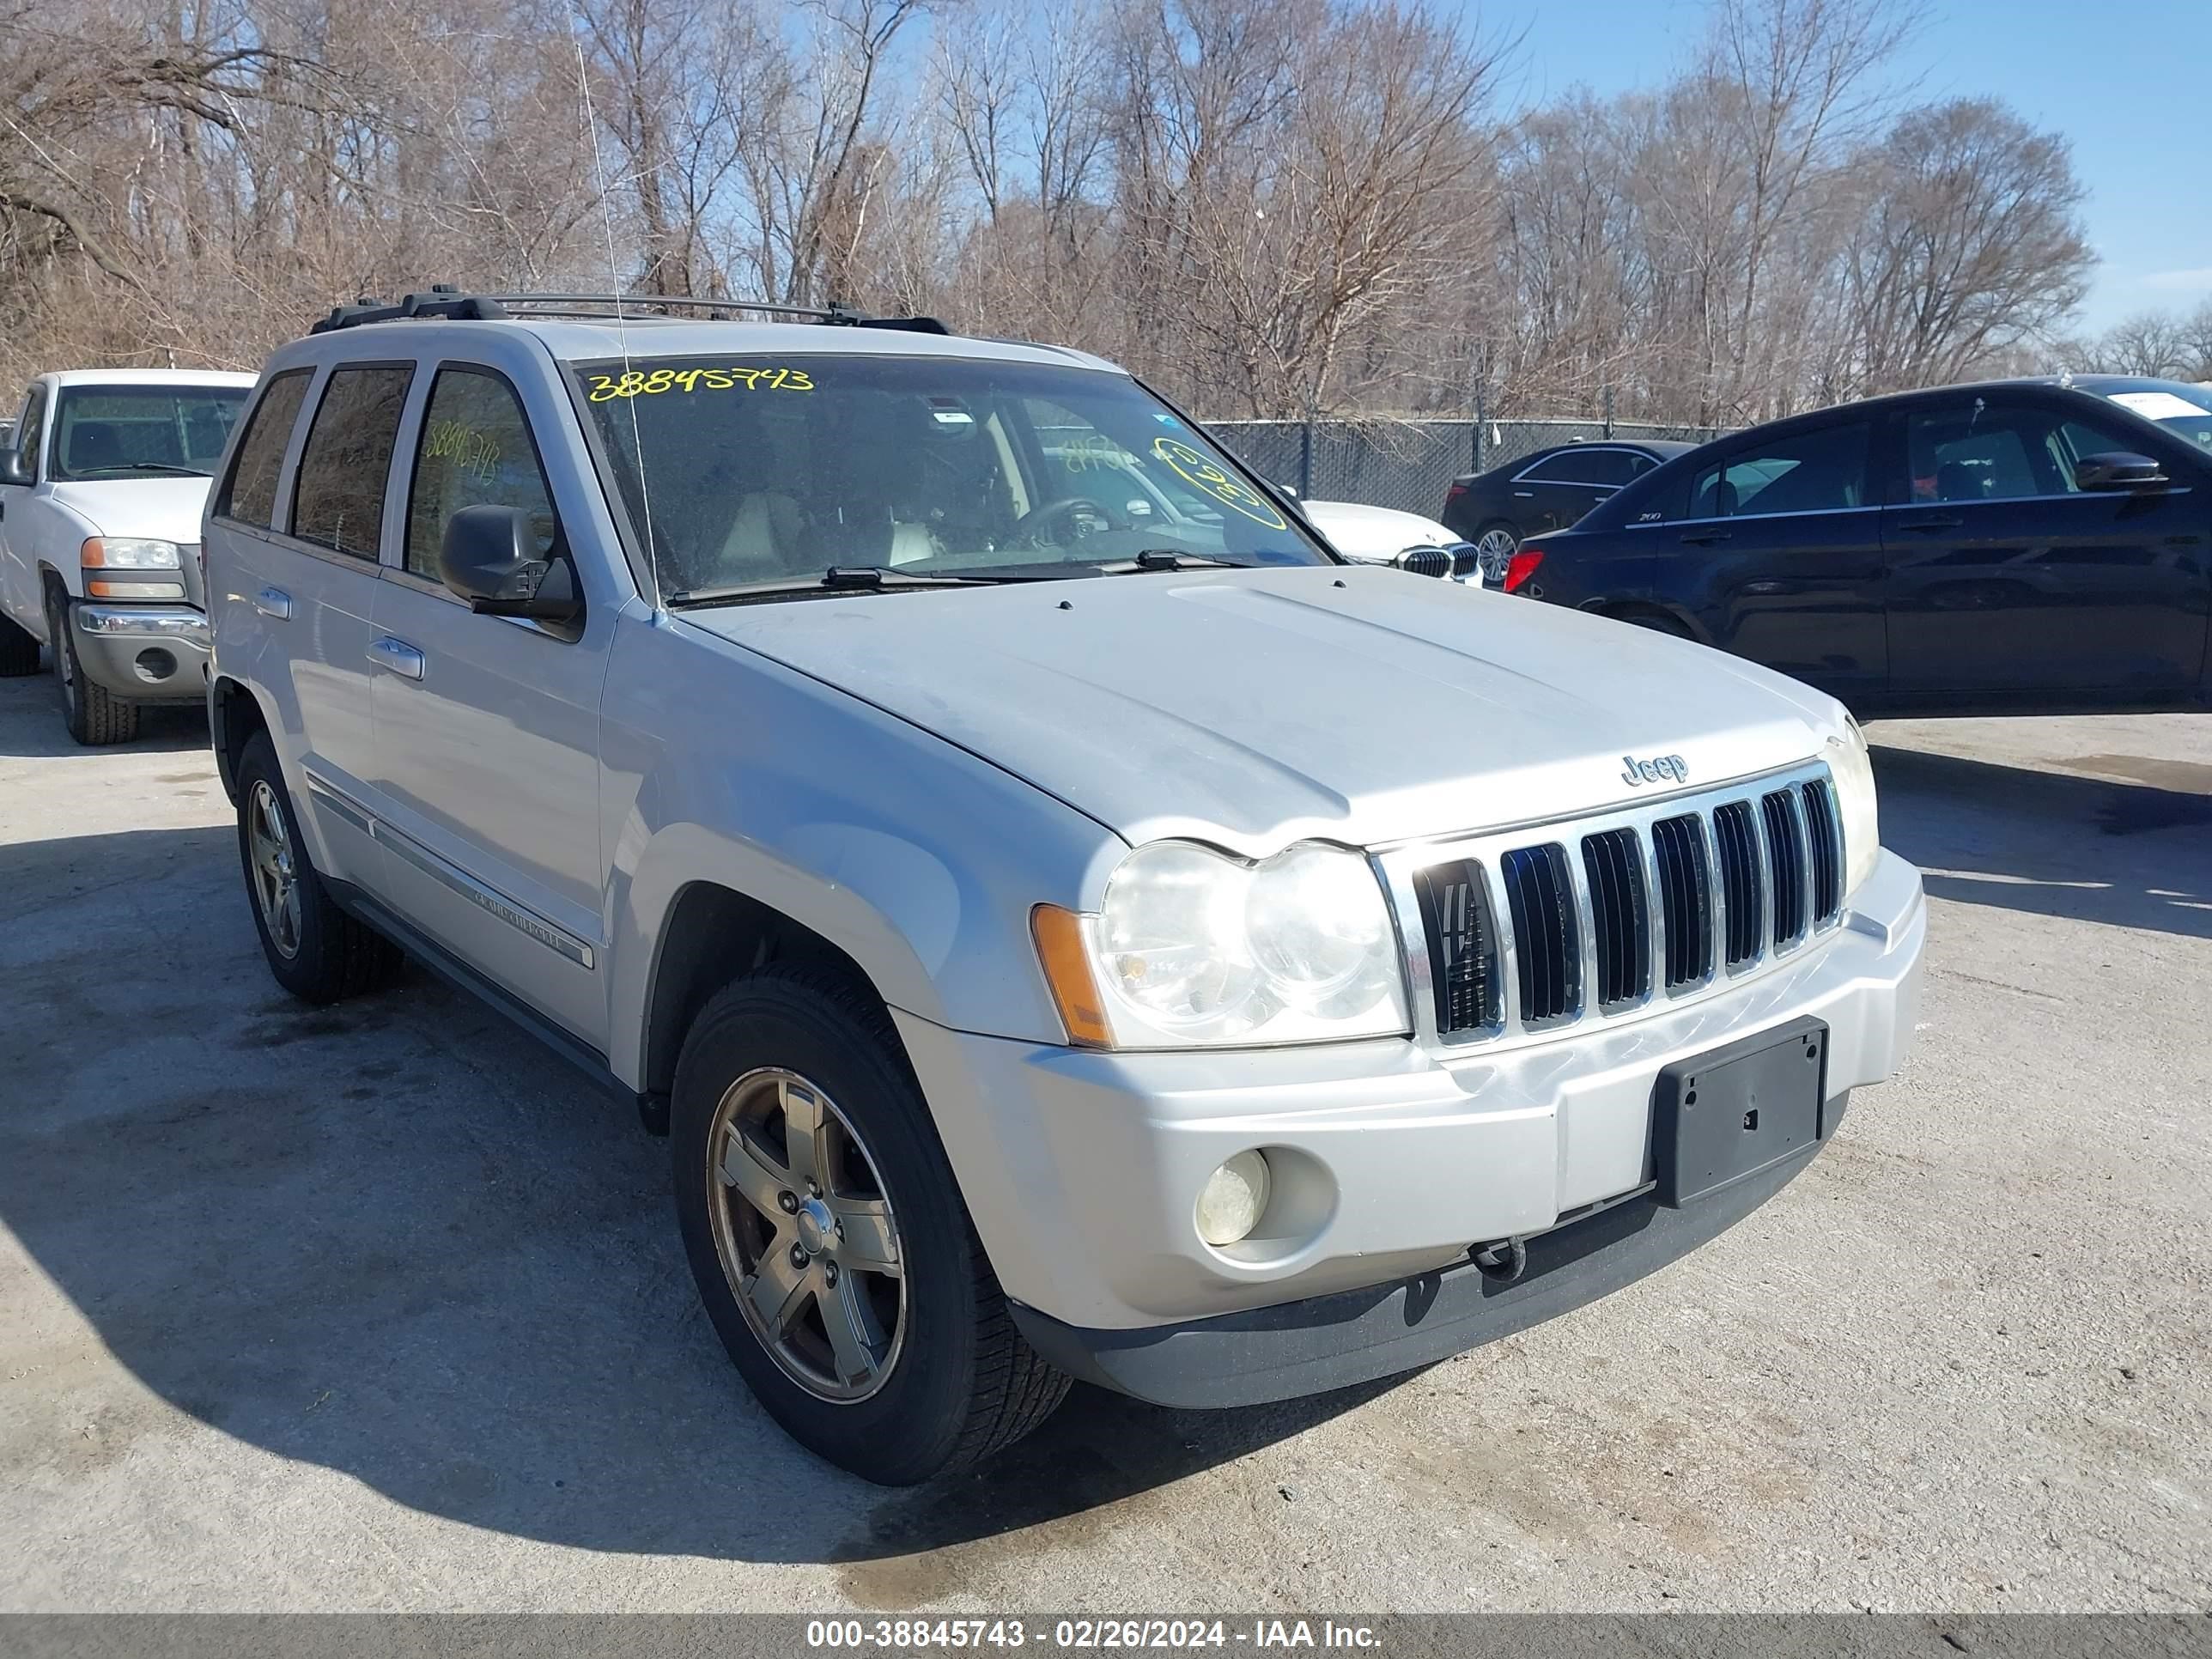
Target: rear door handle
column 274, row 602
column 1524, row 494
column 1757, row 588
column 1940, row 521
column 1705, row 537
column 397, row 655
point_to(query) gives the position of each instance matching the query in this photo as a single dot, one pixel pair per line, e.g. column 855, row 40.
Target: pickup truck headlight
column 1852, row 768
column 1192, row 948
column 113, row 565
column 123, row 553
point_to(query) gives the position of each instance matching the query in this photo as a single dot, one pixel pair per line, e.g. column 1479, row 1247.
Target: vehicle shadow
column 2051, row 843
column 395, row 1238
column 31, row 724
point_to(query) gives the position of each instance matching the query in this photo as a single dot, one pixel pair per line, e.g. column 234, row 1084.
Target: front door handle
column 274, row 602
column 1940, row 521
column 397, row 655
column 1763, row 588
column 1524, row 494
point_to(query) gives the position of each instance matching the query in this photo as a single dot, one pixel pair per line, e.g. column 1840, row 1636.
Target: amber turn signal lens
column 1066, row 964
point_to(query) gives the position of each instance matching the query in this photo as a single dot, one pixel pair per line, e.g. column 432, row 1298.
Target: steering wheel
column 1025, row 529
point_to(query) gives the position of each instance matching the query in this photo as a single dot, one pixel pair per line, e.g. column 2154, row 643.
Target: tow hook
column 1502, row 1262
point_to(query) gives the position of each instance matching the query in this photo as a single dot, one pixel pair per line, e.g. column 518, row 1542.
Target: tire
column 95, row 715
column 316, row 951
column 19, row 651
column 932, row 1376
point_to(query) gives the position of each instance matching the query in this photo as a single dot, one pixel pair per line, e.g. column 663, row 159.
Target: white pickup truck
column 101, row 496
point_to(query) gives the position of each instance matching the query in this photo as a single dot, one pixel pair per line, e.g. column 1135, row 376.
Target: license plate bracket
column 1734, row 1111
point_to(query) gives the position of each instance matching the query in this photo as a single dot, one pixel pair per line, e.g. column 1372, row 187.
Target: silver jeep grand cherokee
column 1066, row 929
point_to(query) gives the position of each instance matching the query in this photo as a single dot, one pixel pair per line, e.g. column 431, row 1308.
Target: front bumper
column 146, row 653
column 1082, row 1170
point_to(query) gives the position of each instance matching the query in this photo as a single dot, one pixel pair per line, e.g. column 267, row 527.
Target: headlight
column 1192, row 947
column 121, row 553
column 1852, row 768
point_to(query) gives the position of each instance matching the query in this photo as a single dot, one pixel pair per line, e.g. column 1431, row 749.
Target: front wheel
column 830, row 1243
column 95, row 715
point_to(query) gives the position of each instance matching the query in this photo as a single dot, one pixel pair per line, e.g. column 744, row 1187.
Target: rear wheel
column 1495, row 543
column 19, row 651
column 316, row 951
column 829, row 1240
column 95, row 715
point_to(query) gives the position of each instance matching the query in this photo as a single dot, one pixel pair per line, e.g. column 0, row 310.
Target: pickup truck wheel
column 19, row 651
column 316, row 951
column 95, row 716
column 829, row 1242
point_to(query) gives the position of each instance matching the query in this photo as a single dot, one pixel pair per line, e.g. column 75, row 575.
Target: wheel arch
column 713, row 934
column 235, row 715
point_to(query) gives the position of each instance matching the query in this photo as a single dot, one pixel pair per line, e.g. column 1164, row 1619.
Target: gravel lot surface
column 377, row 1307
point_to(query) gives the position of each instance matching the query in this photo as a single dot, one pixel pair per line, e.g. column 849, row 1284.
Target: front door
column 21, row 588
column 2006, row 578
column 1556, row 491
column 487, row 728
column 1785, row 545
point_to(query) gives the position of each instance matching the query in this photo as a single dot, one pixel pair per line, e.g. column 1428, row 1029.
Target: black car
column 2012, row 546
column 1499, row 509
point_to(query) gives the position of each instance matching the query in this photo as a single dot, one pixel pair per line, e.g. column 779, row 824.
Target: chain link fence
column 1409, row 464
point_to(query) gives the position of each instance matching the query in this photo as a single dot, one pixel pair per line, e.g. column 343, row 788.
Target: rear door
column 313, row 587
column 487, row 727
column 1554, row 492
column 2007, row 579
column 1781, row 547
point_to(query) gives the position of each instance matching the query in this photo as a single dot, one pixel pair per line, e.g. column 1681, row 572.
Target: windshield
column 778, row 470
column 2183, row 410
column 143, row 431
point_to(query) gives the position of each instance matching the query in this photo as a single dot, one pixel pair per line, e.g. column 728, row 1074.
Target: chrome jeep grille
column 1523, row 932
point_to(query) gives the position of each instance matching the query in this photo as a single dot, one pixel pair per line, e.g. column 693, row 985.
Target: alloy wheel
column 805, row 1232
column 275, row 874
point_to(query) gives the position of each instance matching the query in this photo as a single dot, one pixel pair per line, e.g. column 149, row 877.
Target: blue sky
column 2130, row 85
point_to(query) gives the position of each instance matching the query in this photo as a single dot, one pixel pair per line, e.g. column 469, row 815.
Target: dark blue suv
column 2014, row 546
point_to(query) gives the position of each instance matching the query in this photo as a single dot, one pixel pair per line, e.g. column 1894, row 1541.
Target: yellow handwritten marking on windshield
column 639, row 384
column 1208, row 476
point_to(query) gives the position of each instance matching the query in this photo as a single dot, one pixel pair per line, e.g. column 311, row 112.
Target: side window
column 31, row 430
column 1603, row 466
column 1984, row 452
column 338, row 500
column 1822, row 470
column 475, row 451
column 249, row 495
column 2078, row 439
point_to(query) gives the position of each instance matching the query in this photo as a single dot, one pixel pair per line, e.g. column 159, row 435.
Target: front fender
column 918, row 860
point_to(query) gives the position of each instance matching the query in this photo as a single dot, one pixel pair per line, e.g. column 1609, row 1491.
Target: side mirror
column 12, row 470
column 1286, row 489
column 2119, row 470
column 490, row 558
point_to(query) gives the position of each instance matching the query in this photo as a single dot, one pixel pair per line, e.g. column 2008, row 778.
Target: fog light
column 1235, row 1198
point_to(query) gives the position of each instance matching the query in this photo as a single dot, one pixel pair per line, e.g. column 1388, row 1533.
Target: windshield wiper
column 838, row 579
column 155, row 467
column 1170, row 558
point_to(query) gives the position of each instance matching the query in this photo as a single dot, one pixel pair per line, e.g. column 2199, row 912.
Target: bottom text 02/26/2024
column 1085, row 1633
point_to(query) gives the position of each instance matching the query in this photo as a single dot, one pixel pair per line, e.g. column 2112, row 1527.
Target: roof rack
column 444, row 300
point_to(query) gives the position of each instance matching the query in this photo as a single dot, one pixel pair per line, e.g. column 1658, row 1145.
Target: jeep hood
column 162, row 509
column 1255, row 708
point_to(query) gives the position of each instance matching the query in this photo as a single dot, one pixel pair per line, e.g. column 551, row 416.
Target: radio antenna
column 621, row 329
